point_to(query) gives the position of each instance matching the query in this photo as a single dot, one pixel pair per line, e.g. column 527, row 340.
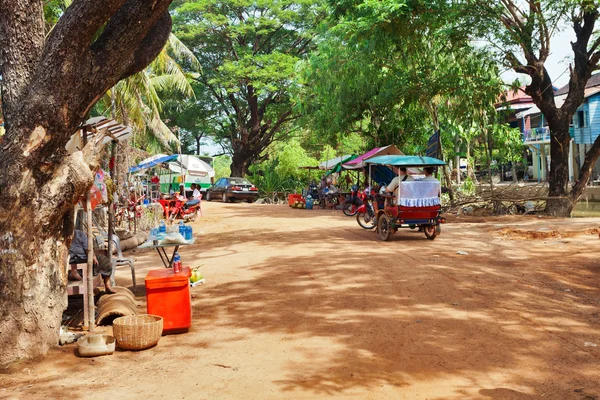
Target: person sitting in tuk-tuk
column 402, row 176
column 428, row 171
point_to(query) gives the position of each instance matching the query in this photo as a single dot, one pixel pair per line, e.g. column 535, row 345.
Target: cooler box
column 168, row 295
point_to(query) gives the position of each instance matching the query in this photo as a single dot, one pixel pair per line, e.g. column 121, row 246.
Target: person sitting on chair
column 78, row 255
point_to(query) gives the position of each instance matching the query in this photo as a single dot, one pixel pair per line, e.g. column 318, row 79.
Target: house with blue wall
column 585, row 128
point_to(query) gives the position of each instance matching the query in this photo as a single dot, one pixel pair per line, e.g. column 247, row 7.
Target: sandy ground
column 303, row 304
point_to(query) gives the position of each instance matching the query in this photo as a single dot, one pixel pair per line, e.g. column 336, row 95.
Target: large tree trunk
column 240, row 161
column 48, row 86
column 559, row 202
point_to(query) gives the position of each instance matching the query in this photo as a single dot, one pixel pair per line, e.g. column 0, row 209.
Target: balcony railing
column 537, row 135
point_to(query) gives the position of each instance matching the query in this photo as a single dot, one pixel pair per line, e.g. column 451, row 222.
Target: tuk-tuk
column 417, row 204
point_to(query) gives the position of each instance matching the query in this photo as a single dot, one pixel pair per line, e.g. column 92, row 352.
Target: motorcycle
column 183, row 210
column 366, row 215
column 353, row 202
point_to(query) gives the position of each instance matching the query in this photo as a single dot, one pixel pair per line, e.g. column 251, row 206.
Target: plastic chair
column 119, row 261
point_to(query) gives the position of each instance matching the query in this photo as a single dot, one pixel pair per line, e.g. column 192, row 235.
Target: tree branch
column 586, row 170
column 60, row 43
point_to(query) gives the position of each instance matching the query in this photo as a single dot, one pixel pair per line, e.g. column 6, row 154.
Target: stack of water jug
column 160, row 232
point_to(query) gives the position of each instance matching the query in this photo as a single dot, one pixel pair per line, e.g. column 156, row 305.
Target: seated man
column 78, row 255
column 402, row 176
column 428, row 171
column 196, row 196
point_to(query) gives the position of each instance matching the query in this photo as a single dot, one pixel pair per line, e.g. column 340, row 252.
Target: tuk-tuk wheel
column 383, row 226
column 430, row 231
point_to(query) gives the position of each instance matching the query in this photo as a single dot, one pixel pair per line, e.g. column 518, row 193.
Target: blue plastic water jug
column 309, row 202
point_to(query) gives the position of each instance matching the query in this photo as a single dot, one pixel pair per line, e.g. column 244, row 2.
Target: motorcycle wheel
column 348, row 209
column 365, row 220
column 430, row 231
column 383, row 226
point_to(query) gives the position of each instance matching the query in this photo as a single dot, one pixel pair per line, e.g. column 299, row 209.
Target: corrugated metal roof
column 592, row 82
column 559, row 101
column 116, row 131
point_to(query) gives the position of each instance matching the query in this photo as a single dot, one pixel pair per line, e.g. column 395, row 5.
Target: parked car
column 231, row 189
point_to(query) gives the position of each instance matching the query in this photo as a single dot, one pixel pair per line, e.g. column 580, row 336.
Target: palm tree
column 136, row 101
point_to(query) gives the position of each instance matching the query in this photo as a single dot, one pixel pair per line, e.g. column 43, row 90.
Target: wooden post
column 90, row 264
column 88, row 301
column 111, row 209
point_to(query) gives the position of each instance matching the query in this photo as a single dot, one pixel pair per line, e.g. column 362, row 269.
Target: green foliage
column 395, row 71
column 290, row 157
column 138, row 100
column 53, row 10
column 248, row 51
column 468, row 187
column 221, row 167
column 269, row 181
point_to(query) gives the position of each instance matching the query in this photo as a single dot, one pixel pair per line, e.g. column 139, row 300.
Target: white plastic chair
column 119, row 261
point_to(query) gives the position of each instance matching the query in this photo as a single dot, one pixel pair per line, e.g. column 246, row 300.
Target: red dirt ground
column 303, row 304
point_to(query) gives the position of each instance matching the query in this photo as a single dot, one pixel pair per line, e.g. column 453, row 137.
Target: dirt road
column 304, row 304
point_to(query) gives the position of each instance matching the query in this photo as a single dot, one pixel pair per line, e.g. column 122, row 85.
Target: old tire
column 208, row 196
column 383, row 226
column 430, row 231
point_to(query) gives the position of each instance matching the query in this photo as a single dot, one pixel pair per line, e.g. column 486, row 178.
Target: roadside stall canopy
column 339, row 166
column 359, row 162
column 152, row 162
column 329, row 164
column 179, row 164
column 191, row 165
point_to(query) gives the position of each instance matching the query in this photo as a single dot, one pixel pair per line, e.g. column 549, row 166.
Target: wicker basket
column 137, row 332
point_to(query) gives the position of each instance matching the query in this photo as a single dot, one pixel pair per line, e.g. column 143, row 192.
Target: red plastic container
column 168, row 295
column 292, row 198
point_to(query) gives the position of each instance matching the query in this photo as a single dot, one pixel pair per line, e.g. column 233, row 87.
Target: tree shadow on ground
column 396, row 321
column 365, row 314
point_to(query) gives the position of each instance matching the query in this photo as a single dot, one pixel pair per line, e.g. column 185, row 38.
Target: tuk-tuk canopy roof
column 405, row 161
